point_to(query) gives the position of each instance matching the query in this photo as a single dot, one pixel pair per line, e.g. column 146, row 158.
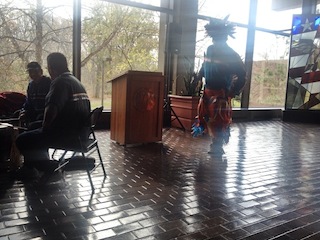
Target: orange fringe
column 215, row 111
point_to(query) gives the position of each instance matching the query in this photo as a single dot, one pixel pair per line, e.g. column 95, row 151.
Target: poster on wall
column 303, row 87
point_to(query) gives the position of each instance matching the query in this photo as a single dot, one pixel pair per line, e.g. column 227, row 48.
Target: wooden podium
column 137, row 107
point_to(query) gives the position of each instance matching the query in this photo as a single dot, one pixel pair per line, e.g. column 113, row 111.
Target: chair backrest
column 95, row 115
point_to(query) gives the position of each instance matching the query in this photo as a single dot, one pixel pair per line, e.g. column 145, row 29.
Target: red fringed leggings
column 215, row 112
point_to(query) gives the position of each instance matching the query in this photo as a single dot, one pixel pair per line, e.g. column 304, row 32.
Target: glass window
column 149, row 2
column 274, row 19
column 238, row 43
column 28, row 32
column 270, row 59
column 318, row 7
column 115, row 39
column 218, row 9
column 221, row 9
column 269, row 70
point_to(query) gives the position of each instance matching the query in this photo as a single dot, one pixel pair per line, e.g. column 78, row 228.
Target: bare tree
column 29, row 31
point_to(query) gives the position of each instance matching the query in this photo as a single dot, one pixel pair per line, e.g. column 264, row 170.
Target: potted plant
column 184, row 106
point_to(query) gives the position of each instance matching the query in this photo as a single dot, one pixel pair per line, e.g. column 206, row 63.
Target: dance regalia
column 224, row 75
column 215, row 112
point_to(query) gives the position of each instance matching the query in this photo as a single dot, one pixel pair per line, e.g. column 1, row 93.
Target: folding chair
column 84, row 148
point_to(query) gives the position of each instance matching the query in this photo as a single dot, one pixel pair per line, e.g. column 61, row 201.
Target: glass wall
column 238, row 43
column 115, row 39
column 149, row 2
column 29, row 31
column 270, row 59
column 217, row 9
column 214, row 8
column 277, row 20
column 269, row 71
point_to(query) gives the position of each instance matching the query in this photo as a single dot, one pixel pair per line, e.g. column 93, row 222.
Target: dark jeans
column 35, row 125
column 34, row 144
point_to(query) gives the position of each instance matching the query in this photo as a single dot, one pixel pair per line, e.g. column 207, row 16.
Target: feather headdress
column 220, row 28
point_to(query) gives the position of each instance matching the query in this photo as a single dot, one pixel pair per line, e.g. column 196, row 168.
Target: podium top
column 136, row 73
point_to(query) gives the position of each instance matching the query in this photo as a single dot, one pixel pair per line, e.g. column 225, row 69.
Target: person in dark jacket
column 66, row 117
column 38, row 88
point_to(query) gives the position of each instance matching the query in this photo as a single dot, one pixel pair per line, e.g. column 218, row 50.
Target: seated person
column 66, row 115
column 38, row 88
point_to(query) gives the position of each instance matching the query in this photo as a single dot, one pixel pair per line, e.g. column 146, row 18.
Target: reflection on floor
column 266, row 186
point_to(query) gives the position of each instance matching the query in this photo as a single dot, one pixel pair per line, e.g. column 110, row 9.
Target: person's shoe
column 26, row 174
column 80, row 163
column 56, row 176
column 51, row 176
column 216, row 150
column 49, row 172
column 226, row 135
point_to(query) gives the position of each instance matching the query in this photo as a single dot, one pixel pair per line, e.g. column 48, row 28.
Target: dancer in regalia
column 224, row 74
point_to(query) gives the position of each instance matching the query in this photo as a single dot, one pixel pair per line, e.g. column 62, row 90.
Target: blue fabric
column 197, row 129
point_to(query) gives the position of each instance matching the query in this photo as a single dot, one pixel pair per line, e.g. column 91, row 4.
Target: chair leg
column 88, row 171
column 62, row 161
column 100, row 157
column 101, row 162
column 53, row 153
